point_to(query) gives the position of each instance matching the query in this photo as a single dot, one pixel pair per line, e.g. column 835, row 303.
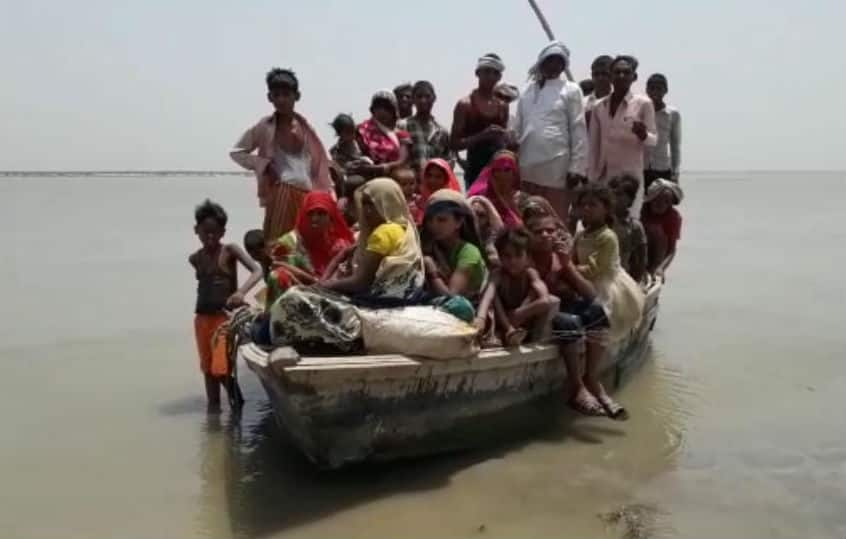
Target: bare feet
column 585, row 403
column 515, row 337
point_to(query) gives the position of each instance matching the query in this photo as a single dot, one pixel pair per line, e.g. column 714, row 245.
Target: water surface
column 736, row 429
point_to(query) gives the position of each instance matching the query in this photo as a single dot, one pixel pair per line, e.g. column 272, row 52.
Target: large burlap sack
column 417, row 331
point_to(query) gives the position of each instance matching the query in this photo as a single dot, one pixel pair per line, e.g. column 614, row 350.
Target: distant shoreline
column 120, row 173
column 209, row 173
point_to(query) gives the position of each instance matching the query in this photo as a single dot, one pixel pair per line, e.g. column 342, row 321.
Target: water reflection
column 255, row 483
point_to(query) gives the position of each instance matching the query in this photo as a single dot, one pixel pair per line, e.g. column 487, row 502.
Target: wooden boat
column 343, row 410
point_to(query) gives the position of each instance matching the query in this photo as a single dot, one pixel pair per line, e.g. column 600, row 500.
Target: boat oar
column 548, row 31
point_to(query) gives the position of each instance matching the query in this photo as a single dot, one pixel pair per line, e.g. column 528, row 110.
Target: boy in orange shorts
column 216, row 267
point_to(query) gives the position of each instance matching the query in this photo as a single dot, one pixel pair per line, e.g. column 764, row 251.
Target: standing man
column 428, row 138
column 600, row 78
column 550, row 128
column 622, row 125
column 664, row 160
column 289, row 161
column 480, row 119
column 404, row 101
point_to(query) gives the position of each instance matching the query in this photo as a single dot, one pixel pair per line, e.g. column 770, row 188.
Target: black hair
column 341, row 121
column 601, row 62
column 405, row 86
column 468, row 232
column 278, row 78
column 659, row 78
column 517, row 238
column 600, row 192
column 210, row 210
column 254, row 240
column 628, row 184
column 625, row 58
column 492, row 55
column 423, row 85
column 586, row 86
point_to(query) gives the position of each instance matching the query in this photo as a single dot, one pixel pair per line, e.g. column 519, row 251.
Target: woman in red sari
column 303, row 255
column 499, row 182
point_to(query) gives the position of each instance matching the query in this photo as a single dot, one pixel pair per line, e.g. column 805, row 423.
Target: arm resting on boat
column 536, row 304
column 488, row 298
column 256, row 273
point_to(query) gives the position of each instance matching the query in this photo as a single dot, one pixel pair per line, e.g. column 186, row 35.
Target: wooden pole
column 548, row 30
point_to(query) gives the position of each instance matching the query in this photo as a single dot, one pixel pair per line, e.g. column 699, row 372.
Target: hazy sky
column 97, row 84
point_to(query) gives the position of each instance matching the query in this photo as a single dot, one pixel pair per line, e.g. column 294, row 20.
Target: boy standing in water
column 215, row 265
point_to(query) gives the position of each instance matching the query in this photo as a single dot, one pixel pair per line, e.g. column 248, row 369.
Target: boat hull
column 344, row 410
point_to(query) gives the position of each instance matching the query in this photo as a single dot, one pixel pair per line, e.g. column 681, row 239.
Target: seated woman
column 303, row 255
column 662, row 223
column 385, row 146
column 388, row 273
column 521, row 301
column 454, row 264
column 597, row 258
column 436, row 175
column 499, row 182
column 489, row 224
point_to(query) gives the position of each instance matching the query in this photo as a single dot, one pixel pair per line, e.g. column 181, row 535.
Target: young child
column 256, row 247
column 630, row 233
column 519, row 296
column 407, row 181
column 490, row 226
column 345, row 152
column 597, row 257
column 662, row 223
column 215, row 265
column 580, row 315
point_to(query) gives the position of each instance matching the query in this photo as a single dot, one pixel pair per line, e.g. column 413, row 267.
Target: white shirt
column 550, row 124
column 666, row 155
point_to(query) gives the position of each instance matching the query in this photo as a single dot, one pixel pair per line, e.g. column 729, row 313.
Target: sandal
column 515, row 337
column 613, row 409
column 587, row 406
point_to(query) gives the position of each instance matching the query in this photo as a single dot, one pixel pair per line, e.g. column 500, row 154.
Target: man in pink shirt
column 621, row 125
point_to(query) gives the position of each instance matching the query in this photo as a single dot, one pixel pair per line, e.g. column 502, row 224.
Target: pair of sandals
column 604, row 406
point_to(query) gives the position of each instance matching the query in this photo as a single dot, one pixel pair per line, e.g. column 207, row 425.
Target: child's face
column 514, row 261
column 623, row 201
column 592, row 211
column 347, row 134
column 544, row 231
column 256, row 252
column 443, row 226
column 407, row 182
column 283, row 100
column 434, row 178
column 601, row 77
column 210, row 232
column 661, row 204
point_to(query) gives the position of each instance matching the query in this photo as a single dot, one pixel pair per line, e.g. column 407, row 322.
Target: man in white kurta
column 550, row 127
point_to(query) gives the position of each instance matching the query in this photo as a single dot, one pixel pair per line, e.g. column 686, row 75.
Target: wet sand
column 736, row 427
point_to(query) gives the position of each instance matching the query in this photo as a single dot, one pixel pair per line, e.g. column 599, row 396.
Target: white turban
column 490, row 61
column 553, row 48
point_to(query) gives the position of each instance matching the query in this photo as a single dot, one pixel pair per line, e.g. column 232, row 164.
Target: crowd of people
column 567, row 213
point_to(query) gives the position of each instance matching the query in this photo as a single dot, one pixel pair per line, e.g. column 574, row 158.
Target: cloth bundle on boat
column 308, row 316
column 422, row 331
